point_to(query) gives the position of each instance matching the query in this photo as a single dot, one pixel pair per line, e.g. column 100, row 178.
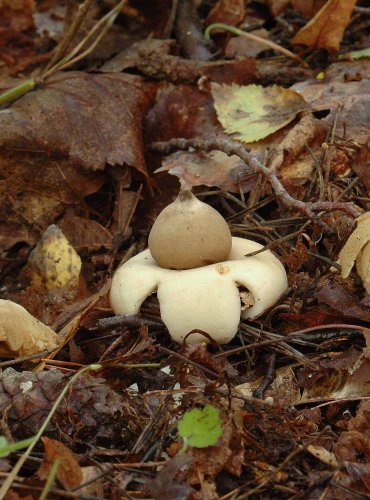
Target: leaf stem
column 250, row 36
column 18, row 91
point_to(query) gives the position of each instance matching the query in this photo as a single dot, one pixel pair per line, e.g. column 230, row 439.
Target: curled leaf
column 21, row 334
column 357, row 249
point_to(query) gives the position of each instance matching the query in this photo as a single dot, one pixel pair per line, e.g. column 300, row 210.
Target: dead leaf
column 334, row 294
column 240, row 46
column 357, row 248
column 169, row 484
column 21, row 334
column 252, row 112
column 16, row 16
column 93, row 119
column 296, row 140
column 326, row 29
column 349, row 99
column 69, row 473
column 94, row 487
column 210, row 169
column 85, row 233
column 308, row 7
column 340, row 377
column 181, row 111
column 326, row 456
column 57, row 262
column 230, row 12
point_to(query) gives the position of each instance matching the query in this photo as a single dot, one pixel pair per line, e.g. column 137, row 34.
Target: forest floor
column 261, row 108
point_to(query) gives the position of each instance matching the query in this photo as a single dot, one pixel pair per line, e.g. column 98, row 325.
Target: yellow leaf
column 57, row 261
column 357, row 248
column 252, row 112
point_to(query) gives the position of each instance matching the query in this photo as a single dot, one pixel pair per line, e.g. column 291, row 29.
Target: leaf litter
column 289, row 395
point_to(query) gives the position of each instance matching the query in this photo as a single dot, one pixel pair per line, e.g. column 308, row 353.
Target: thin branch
column 231, row 147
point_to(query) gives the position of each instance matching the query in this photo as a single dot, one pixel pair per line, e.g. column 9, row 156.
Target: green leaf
column 200, row 428
column 7, row 448
column 252, row 112
column 357, row 54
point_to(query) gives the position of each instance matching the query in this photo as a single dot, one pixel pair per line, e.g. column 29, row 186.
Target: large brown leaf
column 94, row 119
column 325, row 30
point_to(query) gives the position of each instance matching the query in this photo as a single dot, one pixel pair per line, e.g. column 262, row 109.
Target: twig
column 274, row 243
column 21, row 359
column 231, row 147
column 255, row 38
column 101, row 27
column 68, row 37
column 283, row 464
column 269, row 376
column 125, row 320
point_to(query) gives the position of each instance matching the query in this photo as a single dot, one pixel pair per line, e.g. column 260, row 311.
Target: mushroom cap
column 189, row 233
column 206, row 298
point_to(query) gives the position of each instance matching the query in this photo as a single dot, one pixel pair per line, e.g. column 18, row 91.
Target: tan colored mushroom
column 205, row 298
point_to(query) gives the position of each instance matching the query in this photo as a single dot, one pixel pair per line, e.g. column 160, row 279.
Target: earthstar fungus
column 205, row 297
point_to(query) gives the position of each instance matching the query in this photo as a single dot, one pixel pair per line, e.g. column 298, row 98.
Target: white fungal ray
column 205, row 298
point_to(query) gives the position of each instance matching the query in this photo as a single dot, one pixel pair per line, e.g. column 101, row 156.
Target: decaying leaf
column 357, row 248
column 57, row 262
column 209, row 169
column 252, row 112
column 352, row 97
column 325, row 30
column 21, row 334
column 93, row 119
column 343, row 376
column 230, row 12
column 69, row 472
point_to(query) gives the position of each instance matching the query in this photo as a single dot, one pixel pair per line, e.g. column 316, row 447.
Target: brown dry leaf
column 343, row 376
column 93, row 119
column 278, row 6
column 209, row 169
column 357, row 248
column 240, row 46
column 230, row 12
column 16, row 16
column 308, row 7
column 69, row 473
column 85, row 233
column 295, row 141
column 336, row 295
column 94, row 487
column 326, row 456
column 326, row 29
column 350, row 99
column 21, row 334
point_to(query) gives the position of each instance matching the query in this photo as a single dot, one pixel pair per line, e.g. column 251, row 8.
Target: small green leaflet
column 7, row 448
column 200, row 428
column 357, row 54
